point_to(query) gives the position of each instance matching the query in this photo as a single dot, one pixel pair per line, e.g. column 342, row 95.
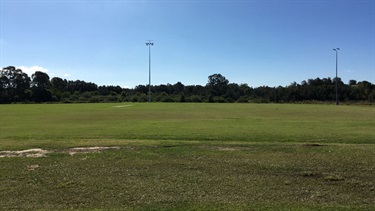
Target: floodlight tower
column 149, row 43
column 336, row 50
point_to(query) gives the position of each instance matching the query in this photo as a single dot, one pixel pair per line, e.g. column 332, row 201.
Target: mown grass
column 189, row 157
column 66, row 124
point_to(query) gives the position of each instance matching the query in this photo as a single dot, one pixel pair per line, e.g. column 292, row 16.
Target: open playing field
column 187, row 156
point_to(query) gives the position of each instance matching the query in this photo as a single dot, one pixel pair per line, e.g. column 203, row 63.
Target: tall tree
column 41, row 87
column 40, row 79
column 178, row 88
column 14, row 85
column 217, row 84
column 59, row 84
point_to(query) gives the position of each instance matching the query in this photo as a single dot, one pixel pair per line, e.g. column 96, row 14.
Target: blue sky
column 256, row 42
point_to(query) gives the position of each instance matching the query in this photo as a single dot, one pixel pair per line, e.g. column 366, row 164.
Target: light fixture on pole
column 149, row 43
column 336, row 79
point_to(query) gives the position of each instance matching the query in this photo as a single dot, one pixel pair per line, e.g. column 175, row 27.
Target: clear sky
column 269, row 42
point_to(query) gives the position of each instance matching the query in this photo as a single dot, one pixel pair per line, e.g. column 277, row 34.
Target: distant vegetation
column 17, row 87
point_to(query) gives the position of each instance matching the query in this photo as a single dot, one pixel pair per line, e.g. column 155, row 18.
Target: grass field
column 188, row 156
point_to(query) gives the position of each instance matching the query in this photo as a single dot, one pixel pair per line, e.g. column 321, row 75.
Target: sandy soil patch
column 73, row 151
column 34, row 153
column 37, row 152
column 227, row 148
column 32, row 167
column 223, row 148
column 121, row 106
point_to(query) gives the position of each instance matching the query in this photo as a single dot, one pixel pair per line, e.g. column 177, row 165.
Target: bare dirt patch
column 73, row 151
column 34, row 153
column 37, row 152
column 121, row 106
column 223, row 148
column 227, row 148
column 32, row 167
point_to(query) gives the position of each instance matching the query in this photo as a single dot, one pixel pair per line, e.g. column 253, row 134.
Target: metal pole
column 149, row 73
column 337, row 99
column 149, row 43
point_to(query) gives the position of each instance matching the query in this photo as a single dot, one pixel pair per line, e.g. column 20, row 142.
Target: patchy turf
column 187, row 157
column 185, row 175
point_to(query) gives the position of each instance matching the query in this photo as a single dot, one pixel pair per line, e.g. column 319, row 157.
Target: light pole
column 336, row 79
column 149, row 43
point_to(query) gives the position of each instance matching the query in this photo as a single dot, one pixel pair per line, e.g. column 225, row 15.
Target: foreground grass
column 189, row 156
column 194, row 175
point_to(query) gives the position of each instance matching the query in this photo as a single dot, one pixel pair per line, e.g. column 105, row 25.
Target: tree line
column 17, row 87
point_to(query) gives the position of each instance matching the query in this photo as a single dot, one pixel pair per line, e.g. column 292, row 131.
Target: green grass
column 76, row 123
column 189, row 157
